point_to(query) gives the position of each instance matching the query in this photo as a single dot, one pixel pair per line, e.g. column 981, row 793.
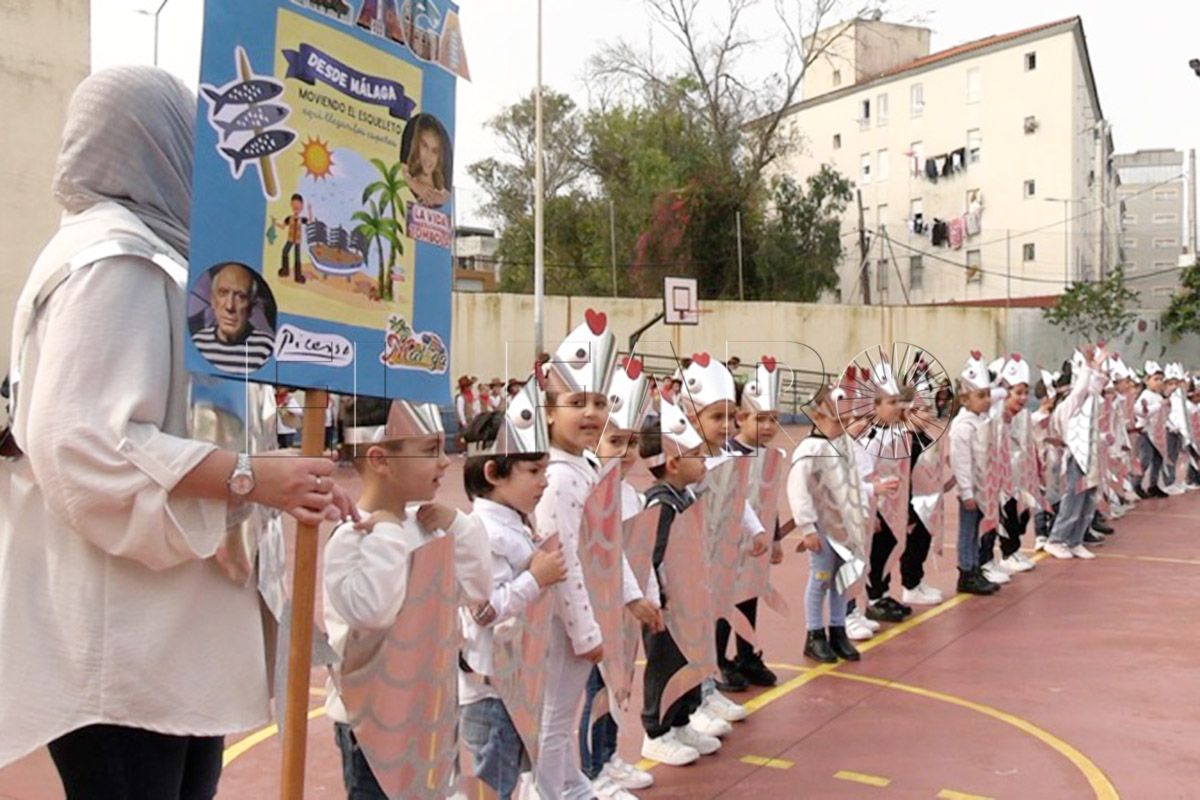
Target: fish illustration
column 263, row 116
column 241, row 94
column 265, row 144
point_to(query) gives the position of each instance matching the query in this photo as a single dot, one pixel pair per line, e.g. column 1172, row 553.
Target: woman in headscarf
column 125, row 647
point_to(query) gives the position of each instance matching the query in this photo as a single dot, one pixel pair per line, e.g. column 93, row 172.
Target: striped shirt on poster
column 242, row 356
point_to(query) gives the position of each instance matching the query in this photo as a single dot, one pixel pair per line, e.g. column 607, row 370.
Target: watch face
column 241, row 485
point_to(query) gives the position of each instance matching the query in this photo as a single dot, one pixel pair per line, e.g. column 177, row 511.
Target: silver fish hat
column 706, row 381
column 629, row 396
column 883, row 378
column 585, row 360
column 1152, row 368
column 523, row 429
column 405, row 419
column 761, row 394
column 1174, row 372
column 678, row 434
column 1016, row 371
column 975, row 372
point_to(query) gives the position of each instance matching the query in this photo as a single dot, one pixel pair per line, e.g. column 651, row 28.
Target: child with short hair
column 675, row 453
column 708, row 399
column 975, row 398
column 505, row 486
column 1019, row 505
column 397, row 449
column 1149, row 407
column 577, row 382
column 830, row 504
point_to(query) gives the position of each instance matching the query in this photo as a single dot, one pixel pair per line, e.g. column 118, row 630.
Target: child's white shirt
column 513, row 589
column 366, row 578
column 560, row 511
column 810, row 455
column 963, row 430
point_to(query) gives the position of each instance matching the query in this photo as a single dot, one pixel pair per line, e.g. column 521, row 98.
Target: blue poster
column 324, row 197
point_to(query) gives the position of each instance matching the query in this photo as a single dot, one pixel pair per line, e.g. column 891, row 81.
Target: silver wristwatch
column 241, row 480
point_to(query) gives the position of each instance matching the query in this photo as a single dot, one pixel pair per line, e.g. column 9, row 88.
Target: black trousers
column 1014, row 525
column 663, row 659
column 749, row 609
column 912, row 560
column 292, row 248
column 110, row 762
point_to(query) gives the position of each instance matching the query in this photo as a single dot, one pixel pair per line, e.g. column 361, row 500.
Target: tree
column 801, row 244
column 376, row 225
column 1097, row 311
column 388, row 189
column 1183, row 314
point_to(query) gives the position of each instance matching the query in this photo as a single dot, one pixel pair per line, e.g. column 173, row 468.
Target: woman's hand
column 303, row 487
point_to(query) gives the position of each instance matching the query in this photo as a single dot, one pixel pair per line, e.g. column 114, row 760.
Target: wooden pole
column 245, row 73
column 304, row 588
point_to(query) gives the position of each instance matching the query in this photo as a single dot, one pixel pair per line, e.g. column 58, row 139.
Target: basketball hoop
column 681, row 301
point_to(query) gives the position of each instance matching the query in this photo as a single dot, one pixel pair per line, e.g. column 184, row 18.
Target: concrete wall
column 44, row 54
column 493, row 332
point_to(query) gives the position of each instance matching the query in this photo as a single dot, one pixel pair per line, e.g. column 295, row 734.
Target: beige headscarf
column 128, row 139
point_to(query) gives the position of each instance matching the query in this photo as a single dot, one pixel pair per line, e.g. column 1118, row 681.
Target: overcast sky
column 1139, row 54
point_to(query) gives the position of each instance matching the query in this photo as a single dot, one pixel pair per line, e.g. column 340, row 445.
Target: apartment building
column 1152, row 194
column 984, row 169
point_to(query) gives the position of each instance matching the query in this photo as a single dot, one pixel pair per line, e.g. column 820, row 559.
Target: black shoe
column 817, row 648
column 1140, row 492
column 756, row 673
column 896, row 605
column 1158, row 492
column 881, row 612
column 731, row 680
column 1101, row 527
column 840, row 644
column 973, row 582
column 1093, row 538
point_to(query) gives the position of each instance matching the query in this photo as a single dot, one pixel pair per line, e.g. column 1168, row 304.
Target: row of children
column 542, row 680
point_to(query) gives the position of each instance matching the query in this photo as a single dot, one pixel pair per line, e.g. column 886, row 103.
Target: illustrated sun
column 316, row 158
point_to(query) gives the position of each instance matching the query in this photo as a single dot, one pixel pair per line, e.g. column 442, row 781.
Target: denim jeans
column 495, row 746
column 822, row 586
column 356, row 772
column 596, row 749
column 968, row 537
column 1075, row 510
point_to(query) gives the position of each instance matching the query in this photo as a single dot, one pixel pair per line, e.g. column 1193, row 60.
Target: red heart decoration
column 769, row 362
column 976, row 354
column 1016, row 356
column 1100, row 344
column 597, row 321
column 702, row 359
column 539, row 376
column 633, row 368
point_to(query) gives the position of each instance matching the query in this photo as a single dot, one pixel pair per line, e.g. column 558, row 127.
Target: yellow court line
column 1095, row 777
column 1156, row 559
column 861, row 777
column 950, row 794
column 774, row 763
column 239, row 747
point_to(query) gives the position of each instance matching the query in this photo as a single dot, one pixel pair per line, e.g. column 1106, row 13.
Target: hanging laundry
column 947, row 166
column 959, row 159
column 916, row 225
column 940, row 233
column 957, row 227
column 931, row 169
column 974, row 213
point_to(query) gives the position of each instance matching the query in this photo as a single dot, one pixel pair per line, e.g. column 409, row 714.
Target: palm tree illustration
column 376, row 225
column 387, row 190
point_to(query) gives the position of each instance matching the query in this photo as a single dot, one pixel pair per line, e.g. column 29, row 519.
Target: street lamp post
column 539, row 233
column 155, row 13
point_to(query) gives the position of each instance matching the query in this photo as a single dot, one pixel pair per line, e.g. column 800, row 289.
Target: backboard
column 681, row 301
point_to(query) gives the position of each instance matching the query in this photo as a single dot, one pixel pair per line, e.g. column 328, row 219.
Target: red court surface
column 1077, row 680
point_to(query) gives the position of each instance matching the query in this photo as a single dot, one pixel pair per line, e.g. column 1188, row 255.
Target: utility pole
column 612, row 241
column 539, row 201
column 741, row 275
column 895, row 264
column 864, row 273
column 1007, row 288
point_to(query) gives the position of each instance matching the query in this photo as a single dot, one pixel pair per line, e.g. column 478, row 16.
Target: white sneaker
column 1040, row 542
column 627, row 776
column 1014, row 564
column 1059, row 550
column 722, row 707
column 1079, row 551
column 1026, row 560
column 921, row 595
column 857, row 631
column 704, row 721
column 1174, row 489
column 994, row 574
column 860, row 618
column 605, row 788
column 667, row 749
column 704, row 745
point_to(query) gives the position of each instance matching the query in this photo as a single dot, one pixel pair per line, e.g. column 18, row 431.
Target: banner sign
column 322, row 218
